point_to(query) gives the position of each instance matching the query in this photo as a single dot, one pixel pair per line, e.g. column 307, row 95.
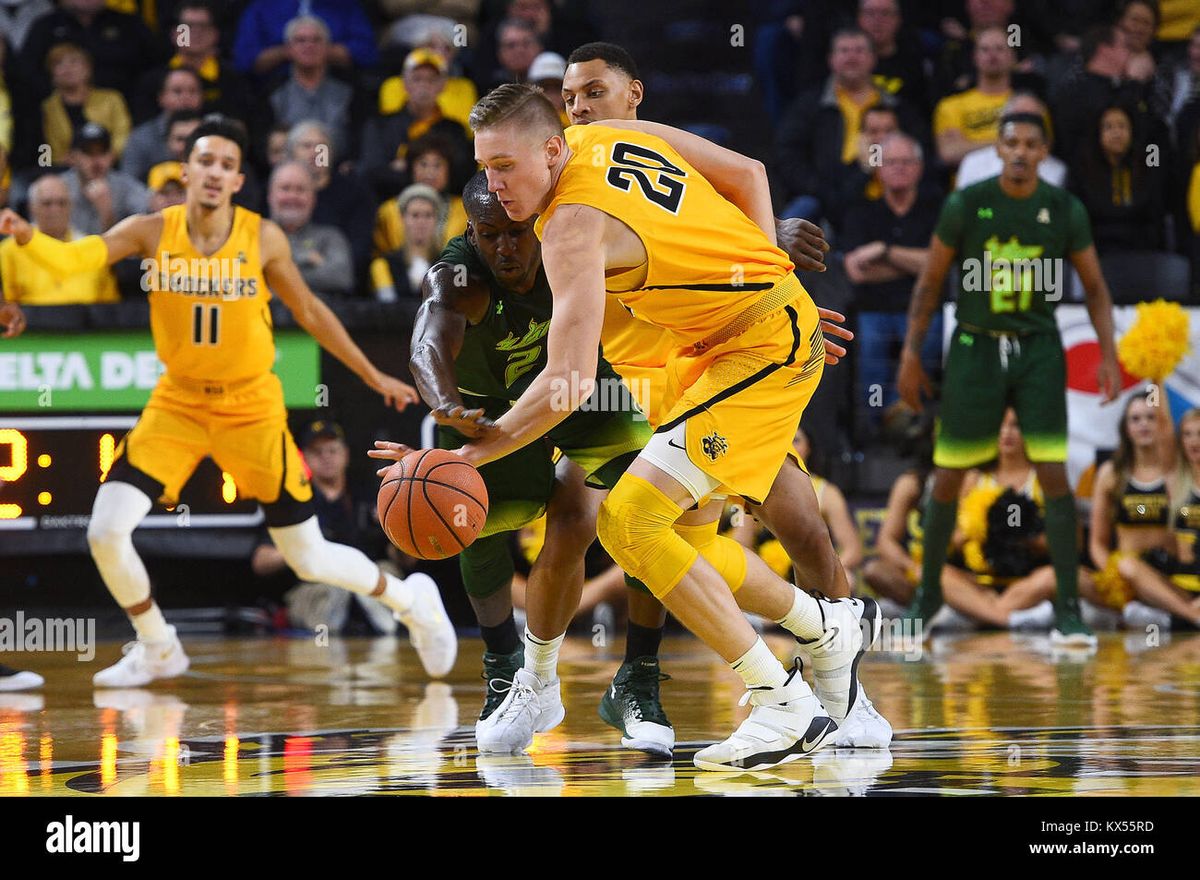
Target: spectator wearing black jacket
column 899, row 68
column 818, row 140
column 386, row 138
column 1123, row 193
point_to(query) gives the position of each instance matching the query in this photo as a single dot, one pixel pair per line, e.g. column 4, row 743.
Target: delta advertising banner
column 1091, row 424
column 115, row 371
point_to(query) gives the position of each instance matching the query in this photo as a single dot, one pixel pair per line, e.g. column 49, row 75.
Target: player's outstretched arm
column 319, row 321
column 927, row 296
column 448, row 302
column 573, row 254
column 738, row 178
column 64, row 259
column 1099, row 306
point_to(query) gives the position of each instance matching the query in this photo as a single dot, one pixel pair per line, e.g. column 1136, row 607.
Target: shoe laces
column 135, row 650
column 642, row 687
column 522, row 694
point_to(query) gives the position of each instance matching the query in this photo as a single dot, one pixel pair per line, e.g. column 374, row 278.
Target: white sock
column 398, row 595
column 758, row 667
column 150, row 625
column 541, row 656
column 805, row 620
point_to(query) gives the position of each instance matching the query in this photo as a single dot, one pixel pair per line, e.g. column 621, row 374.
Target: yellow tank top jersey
column 209, row 315
column 707, row 261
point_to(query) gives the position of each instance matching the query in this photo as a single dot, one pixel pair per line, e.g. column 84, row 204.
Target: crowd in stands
column 357, row 115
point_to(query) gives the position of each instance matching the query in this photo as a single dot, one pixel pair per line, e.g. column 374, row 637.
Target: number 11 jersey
column 209, row 315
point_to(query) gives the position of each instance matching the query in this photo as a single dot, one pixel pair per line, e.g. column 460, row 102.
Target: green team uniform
column 500, row 356
column 1006, row 350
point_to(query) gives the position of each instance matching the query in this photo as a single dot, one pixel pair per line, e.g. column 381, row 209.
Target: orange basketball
column 432, row 504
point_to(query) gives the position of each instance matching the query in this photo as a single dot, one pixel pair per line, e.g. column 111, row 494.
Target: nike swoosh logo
column 807, row 745
column 613, row 691
column 676, row 445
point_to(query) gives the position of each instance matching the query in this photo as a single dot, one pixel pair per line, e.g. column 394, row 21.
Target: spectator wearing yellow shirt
column 971, row 119
column 455, row 100
column 386, row 139
column 75, row 102
column 430, row 159
column 26, row 282
column 817, row 144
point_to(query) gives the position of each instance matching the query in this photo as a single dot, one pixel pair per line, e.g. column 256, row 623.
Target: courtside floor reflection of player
column 640, row 210
column 600, row 83
column 213, row 269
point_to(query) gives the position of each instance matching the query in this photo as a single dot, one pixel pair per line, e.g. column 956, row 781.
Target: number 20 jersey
column 210, row 315
column 707, row 261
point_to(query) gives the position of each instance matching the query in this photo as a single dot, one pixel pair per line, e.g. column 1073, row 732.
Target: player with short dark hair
column 214, row 269
column 1011, row 235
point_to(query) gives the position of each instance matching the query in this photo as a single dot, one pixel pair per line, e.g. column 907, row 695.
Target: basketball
column 432, row 504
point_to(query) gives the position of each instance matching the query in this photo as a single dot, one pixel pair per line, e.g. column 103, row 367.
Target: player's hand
column 1108, row 378
column 389, row 452
column 804, row 242
column 831, row 325
column 12, row 223
column 395, row 392
column 913, row 381
column 468, row 422
column 12, row 319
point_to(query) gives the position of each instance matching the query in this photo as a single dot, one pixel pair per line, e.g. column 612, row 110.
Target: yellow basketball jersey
column 707, row 261
column 209, row 315
column 628, row 340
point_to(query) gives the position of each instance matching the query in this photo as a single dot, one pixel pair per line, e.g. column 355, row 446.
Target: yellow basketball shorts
column 742, row 400
column 243, row 428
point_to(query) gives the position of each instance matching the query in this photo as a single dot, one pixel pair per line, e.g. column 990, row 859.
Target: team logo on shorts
column 714, row 446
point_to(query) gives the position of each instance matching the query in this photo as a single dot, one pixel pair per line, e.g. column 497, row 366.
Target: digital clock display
column 51, row 466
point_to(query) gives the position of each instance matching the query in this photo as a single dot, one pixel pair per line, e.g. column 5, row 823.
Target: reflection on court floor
column 979, row 714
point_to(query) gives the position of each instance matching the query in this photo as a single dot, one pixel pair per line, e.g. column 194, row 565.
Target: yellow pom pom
column 973, row 556
column 1157, row 341
column 973, row 510
column 773, row 554
column 1113, row 590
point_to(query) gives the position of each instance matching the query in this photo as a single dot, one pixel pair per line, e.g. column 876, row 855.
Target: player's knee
column 570, row 528
column 724, row 554
column 634, row 526
column 305, row 561
column 106, row 538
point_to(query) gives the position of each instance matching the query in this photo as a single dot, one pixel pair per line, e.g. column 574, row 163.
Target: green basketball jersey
column 504, row 352
column 1012, row 253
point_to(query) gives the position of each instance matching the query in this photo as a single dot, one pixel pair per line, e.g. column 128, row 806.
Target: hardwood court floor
column 978, row 714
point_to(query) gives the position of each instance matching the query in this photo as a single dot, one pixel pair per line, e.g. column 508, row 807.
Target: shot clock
column 51, row 466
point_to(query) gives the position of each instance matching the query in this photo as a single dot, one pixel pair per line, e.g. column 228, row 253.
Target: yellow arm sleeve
column 66, row 258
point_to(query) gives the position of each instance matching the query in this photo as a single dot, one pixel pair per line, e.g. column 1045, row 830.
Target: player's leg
column 487, row 573
column 154, row 460
column 534, row 704
column 1040, row 401
column 974, row 395
column 251, row 442
column 604, row 442
column 793, row 515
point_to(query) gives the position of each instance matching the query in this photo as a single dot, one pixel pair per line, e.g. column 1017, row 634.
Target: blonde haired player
column 601, row 83
column 213, row 269
column 682, row 233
